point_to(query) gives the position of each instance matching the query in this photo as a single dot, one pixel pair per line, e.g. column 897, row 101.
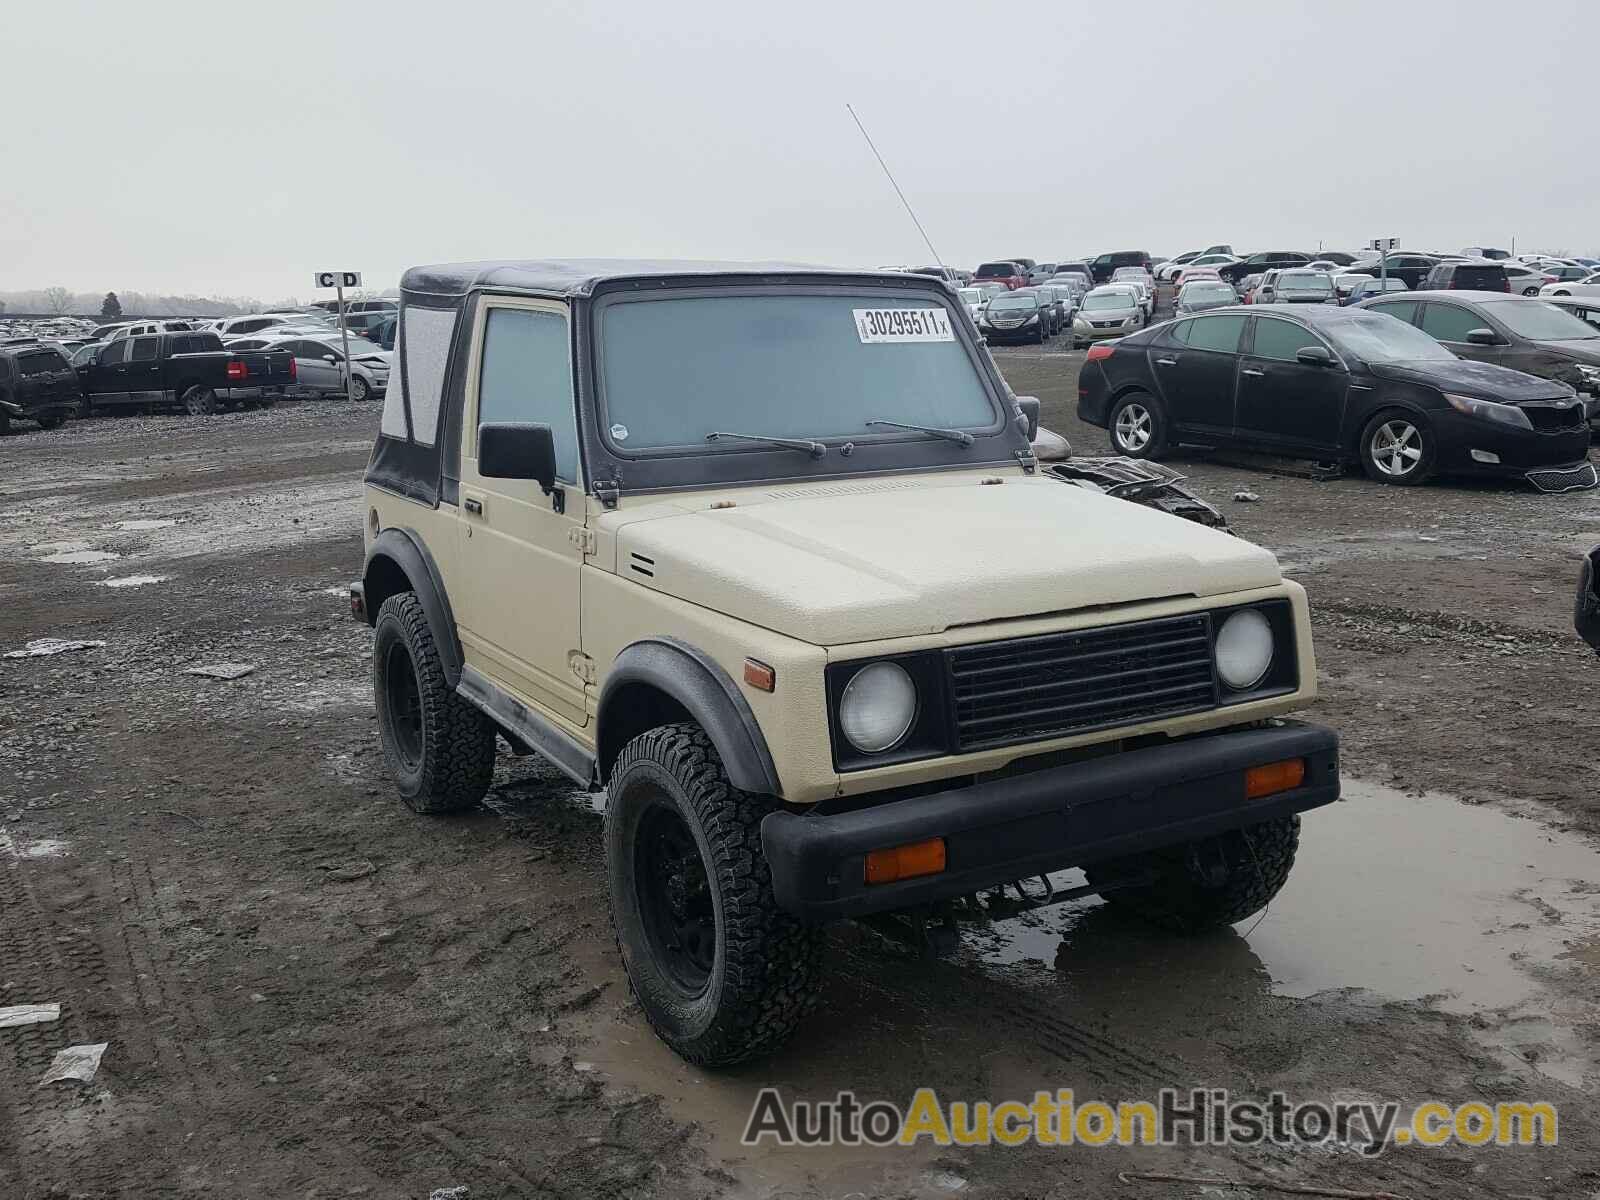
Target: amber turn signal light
column 905, row 862
column 759, row 676
column 1274, row 777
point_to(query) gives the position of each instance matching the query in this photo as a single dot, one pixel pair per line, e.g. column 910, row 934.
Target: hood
column 1109, row 314
column 846, row 562
column 1483, row 380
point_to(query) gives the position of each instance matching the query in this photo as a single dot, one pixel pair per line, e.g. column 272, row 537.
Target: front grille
column 1105, row 324
column 1567, row 479
column 1547, row 418
column 1065, row 683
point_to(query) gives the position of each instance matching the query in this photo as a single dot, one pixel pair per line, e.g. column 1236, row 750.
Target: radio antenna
column 909, row 211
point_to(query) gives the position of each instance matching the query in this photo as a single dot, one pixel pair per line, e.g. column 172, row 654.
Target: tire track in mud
column 40, row 963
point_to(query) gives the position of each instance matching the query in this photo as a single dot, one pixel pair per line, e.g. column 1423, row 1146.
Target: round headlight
column 877, row 708
column 1244, row 649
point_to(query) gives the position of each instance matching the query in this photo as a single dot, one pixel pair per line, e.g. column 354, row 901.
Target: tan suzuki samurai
column 763, row 552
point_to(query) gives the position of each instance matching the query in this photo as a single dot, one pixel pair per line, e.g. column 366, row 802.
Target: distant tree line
column 63, row 302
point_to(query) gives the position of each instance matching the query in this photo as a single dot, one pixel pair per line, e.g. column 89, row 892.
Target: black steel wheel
column 439, row 748
column 722, row 973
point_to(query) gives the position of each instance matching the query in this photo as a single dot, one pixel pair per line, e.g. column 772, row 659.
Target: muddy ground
column 307, row 991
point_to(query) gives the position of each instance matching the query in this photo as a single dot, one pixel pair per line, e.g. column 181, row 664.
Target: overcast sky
column 235, row 148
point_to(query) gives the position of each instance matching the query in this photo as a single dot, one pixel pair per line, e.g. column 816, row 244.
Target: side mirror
column 1030, row 414
column 1482, row 337
column 330, row 358
column 1314, row 356
column 517, row 450
column 1586, row 612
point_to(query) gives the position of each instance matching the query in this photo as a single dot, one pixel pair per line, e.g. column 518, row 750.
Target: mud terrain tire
column 723, row 974
column 1259, row 859
column 439, row 748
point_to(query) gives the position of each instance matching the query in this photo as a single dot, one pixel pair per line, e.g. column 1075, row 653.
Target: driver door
column 519, row 551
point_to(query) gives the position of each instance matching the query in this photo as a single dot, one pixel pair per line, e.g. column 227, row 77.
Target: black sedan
column 1520, row 332
column 1333, row 384
column 1020, row 316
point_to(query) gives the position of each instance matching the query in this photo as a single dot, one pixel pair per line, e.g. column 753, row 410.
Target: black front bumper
column 1026, row 825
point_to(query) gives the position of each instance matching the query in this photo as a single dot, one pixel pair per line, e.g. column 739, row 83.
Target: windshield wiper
column 960, row 436
column 815, row 449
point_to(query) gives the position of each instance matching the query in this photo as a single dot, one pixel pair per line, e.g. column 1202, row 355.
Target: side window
column 526, row 375
column 1179, row 332
column 1219, row 333
column 113, row 353
column 1401, row 310
column 1449, row 323
column 1591, row 315
column 145, row 349
column 1281, row 340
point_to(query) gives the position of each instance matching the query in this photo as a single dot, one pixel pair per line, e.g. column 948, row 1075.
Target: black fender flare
column 694, row 681
column 405, row 550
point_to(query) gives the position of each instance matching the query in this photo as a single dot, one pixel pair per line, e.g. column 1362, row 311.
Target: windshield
column 1106, row 300
column 359, row 345
column 1005, row 303
column 1205, row 291
column 1304, row 281
column 1540, row 322
column 1377, row 337
column 971, row 295
column 790, row 365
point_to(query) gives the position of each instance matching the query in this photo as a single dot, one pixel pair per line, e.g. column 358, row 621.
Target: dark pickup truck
column 37, row 383
column 190, row 370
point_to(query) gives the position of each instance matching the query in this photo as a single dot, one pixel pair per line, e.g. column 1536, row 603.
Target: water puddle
column 19, row 848
column 1413, row 897
column 80, row 556
column 132, row 581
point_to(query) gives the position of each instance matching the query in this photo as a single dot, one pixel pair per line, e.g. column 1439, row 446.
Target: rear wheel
column 200, row 401
column 53, row 421
column 1208, row 884
column 439, row 748
column 1530, row 291
column 1138, row 426
column 1397, row 448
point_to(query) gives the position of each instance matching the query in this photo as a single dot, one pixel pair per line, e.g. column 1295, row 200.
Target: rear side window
column 527, row 376
column 1450, row 323
column 145, row 349
column 1281, row 340
column 1401, row 310
column 1220, row 333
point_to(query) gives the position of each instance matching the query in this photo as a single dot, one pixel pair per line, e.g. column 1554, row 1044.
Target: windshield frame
column 699, row 467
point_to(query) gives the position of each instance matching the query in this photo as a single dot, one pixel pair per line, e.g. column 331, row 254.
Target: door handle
column 1166, row 362
column 473, row 505
column 1252, row 371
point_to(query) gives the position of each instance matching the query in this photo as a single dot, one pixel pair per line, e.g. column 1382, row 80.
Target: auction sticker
column 903, row 325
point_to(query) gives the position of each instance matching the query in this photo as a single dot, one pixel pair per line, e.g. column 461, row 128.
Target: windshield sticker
column 903, row 325
column 619, row 433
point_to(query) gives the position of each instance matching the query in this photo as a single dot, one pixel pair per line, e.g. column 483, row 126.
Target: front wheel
column 1530, row 291
column 722, row 973
column 1138, row 426
column 1397, row 448
column 1207, row 884
column 359, row 389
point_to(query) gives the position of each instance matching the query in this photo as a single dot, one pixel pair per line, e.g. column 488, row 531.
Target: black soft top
column 581, row 276
column 419, row 435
